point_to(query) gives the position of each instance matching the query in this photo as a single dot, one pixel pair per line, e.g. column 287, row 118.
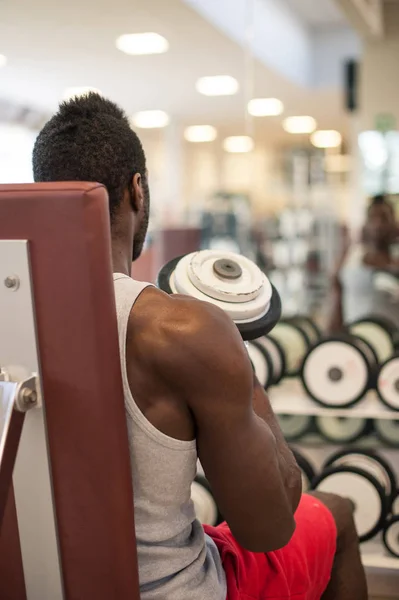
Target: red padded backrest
column 67, row 225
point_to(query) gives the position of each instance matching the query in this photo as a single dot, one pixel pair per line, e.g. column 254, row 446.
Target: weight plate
column 276, row 353
column 204, row 503
column 388, row 431
column 391, row 536
column 342, row 430
column 336, row 373
column 229, row 281
column 388, row 383
column 364, row 490
column 308, row 326
column 295, row 343
column 307, row 470
column 378, row 333
column 395, row 506
column 261, row 363
column 295, row 427
column 369, row 461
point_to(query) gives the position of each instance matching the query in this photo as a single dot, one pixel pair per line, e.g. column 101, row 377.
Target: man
column 190, row 393
column 354, row 293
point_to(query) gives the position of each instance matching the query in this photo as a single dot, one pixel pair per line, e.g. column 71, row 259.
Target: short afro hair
column 90, row 139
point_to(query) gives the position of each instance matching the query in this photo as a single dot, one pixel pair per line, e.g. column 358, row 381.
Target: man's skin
column 379, row 233
column 191, row 377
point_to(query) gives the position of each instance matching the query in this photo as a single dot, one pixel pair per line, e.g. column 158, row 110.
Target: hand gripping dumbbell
column 231, row 282
column 368, row 480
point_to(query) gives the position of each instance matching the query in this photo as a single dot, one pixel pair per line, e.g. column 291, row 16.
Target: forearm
column 288, row 467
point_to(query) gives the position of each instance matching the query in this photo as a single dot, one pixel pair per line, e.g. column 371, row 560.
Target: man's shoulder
column 178, row 331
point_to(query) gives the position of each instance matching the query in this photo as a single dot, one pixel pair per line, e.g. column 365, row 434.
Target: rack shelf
column 290, row 398
column 375, row 556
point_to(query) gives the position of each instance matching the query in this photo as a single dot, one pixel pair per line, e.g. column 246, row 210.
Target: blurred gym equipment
column 295, row 427
column 261, row 363
column 342, row 430
column 388, row 383
column 378, row 332
column 391, row 536
column 277, row 356
column 307, row 470
column 68, row 526
column 368, row 480
column 338, row 371
column 205, row 505
column 295, row 342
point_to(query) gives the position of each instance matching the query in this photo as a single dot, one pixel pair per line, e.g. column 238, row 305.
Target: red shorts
column 301, row 570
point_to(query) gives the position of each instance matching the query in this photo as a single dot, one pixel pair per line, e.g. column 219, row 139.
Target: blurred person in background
column 354, row 293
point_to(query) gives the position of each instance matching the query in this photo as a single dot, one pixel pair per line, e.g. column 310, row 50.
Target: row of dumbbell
column 369, row 481
column 363, row 476
column 336, row 372
column 339, row 430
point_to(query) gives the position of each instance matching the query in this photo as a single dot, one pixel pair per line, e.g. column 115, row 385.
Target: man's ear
column 137, row 195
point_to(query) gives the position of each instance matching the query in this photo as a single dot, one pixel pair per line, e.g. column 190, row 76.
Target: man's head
column 90, row 139
column 380, row 226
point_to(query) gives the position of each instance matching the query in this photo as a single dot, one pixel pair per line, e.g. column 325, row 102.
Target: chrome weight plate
column 364, row 490
column 391, row 536
column 231, row 282
column 388, row 431
column 295, row 344
column 371, row 462
column 307, row 471
column 342, row 430
column 204, row 503
column 388, row 383
column 336, row 373
column 261, row 363
column 276, row 353
column 378, row 333
column 295, row 427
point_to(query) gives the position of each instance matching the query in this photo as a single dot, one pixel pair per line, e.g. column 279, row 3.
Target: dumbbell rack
column 290, row 398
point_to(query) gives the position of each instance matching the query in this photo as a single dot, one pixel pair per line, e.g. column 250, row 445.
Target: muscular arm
column 253, row 474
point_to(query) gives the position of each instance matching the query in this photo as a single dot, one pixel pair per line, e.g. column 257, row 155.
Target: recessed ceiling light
column 299, row 124
column 222, row 85
column 3, row 60
column 238, row 144
column 326, row 139
column 200, row 133
column 265, row 107
column 150, row 119
column 77, row 92
column 139, row 44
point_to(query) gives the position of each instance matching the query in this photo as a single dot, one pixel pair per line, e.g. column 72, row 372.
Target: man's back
column 176, row 559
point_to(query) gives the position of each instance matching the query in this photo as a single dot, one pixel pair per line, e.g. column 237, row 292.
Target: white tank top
column 177, row 561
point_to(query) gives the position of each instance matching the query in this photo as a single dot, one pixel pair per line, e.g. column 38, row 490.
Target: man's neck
column 121, row 259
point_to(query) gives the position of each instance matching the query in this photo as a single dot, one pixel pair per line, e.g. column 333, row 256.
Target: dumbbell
column 387, row 431
column 295, row 343
column 205, row 506
column 378, row 332
column 231, row 282
column 262, row 363
column 368, row 480
column 338, row 371
column 388, row 383
column 395, row 506
column 308, row 473
column 391, row 536
column 342, row 430
column 295, row 427
column 308, row 326
column 276, row 354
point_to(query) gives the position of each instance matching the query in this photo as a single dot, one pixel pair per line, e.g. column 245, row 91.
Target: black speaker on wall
column 351, row 85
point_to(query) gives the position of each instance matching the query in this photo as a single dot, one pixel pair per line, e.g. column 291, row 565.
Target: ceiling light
column 265, row 107
column 151, row 119
column 326, row 139
column 200, row 133
column 3, row 60
column 299, row 124
column 139, row 44
column 238, row 144
column 77, row 92
column 222, row 85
